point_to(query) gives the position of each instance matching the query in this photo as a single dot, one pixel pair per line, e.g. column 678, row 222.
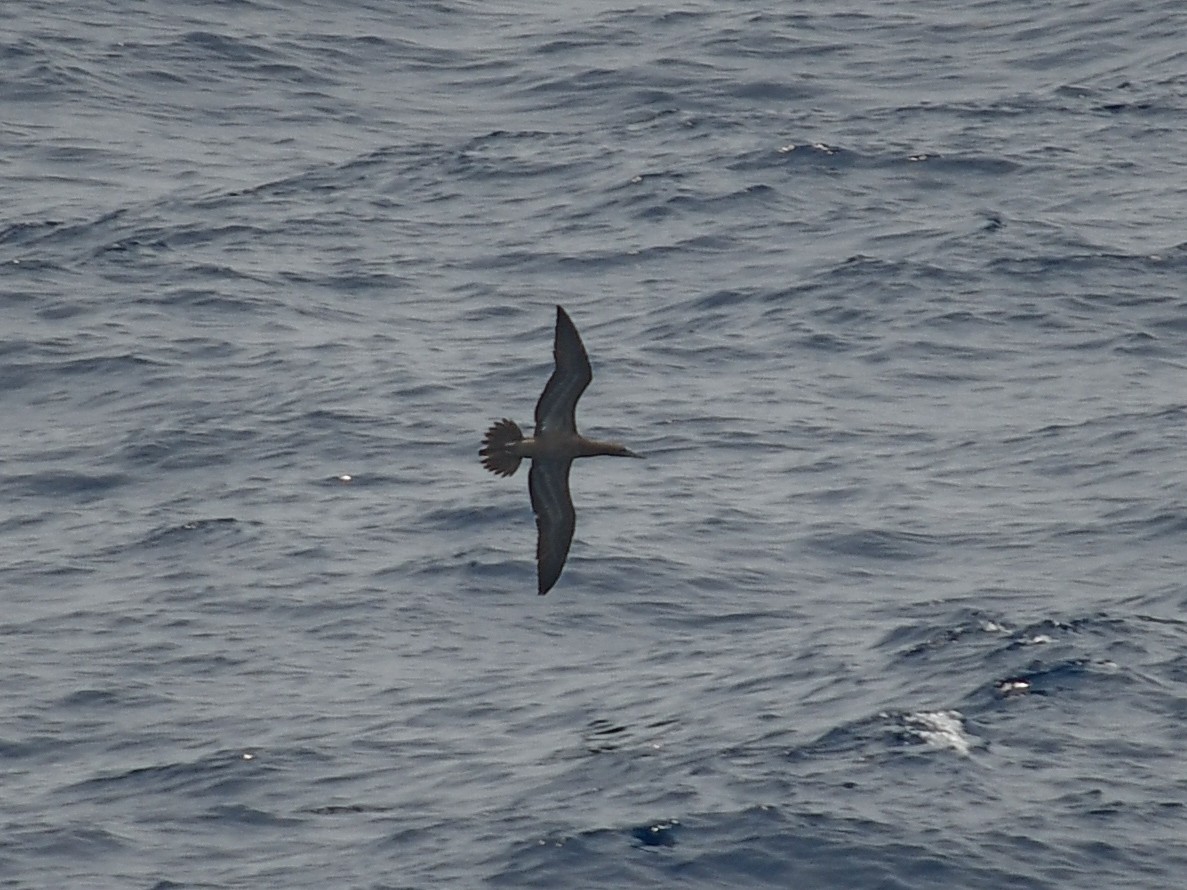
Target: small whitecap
column 1012, row 686
column 941, row 729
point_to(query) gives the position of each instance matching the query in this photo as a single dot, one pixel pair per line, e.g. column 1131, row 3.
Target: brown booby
column 552, row 449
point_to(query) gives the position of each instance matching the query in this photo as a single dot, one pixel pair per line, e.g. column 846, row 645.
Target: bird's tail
column 494, row 448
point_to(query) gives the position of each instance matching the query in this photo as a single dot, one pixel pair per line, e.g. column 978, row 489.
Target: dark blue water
column 893, row 296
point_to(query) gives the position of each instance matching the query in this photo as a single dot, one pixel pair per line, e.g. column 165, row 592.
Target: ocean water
column 892, row 296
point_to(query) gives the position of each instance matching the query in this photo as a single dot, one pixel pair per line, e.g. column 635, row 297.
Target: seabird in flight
column 552, row 449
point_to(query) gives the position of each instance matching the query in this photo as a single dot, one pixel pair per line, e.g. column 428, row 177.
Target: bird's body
column 552, row 450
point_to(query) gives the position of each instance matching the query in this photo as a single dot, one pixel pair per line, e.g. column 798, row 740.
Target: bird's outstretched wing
column 548, row 483
column 557, row 408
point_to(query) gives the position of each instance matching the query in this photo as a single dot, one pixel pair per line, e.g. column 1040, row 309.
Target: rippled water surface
column 892, row 297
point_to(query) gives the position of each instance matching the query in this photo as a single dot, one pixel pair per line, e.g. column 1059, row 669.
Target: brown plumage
column 552, row 449
column 495, row 456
